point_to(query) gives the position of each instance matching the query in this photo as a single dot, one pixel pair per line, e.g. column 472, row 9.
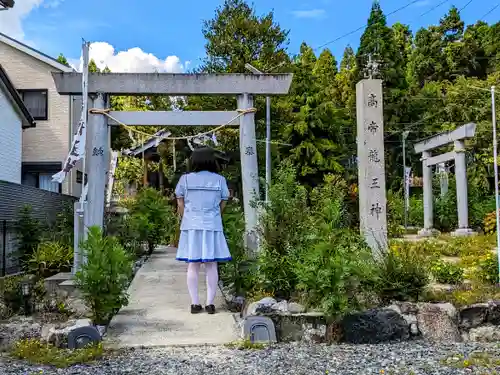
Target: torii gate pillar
column 249, row 171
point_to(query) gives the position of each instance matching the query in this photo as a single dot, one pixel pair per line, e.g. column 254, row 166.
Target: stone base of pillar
column 463, row 232
column 423, row 233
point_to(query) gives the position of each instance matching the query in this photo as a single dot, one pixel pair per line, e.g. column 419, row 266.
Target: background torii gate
column 425, row 146
column 101, row 85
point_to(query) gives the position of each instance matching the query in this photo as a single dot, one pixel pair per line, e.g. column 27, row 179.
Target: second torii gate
column 102, row 85
column 425, row 146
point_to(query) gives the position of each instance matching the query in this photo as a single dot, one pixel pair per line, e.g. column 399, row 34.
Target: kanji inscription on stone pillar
column 371, row 164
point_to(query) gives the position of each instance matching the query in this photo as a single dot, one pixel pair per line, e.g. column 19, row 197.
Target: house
column 44, row 147
column 14, row 118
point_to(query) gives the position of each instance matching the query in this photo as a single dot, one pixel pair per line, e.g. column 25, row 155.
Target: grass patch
column 476, row 360
column 39, row 353
column 246, row 345
column 465, row 295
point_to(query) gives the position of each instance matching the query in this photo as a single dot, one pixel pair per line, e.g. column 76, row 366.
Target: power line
column 489, row 12
column 366, row 24
column 465, row 6
column 356, row 30
column 433, row 8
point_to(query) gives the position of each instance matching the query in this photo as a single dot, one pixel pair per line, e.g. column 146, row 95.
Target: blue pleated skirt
column 202, row 246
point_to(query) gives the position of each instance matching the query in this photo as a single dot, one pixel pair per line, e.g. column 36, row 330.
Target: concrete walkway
column 158, row 311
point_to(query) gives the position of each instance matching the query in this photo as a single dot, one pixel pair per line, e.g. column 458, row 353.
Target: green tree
column 62, row 59
column 378, row 41
column 317, row 126
column 346, row 82
column 236, row 36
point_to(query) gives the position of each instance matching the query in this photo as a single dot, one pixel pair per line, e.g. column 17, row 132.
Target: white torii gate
column 101, row 85
column 425, row 146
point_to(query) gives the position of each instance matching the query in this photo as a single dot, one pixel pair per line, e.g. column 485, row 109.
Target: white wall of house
column 10, row 141
column 50, row 140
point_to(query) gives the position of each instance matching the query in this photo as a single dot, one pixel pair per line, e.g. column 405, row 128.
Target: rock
column 410, row 319
column 449, row 308
column 408, row 307
column 395, row 308
column 314, row 335
column 281, row 307
column 485, row 334
column 493, row 316
column 414, row 329
column 473, row 316
column 264, row 306
column 296, row 308
column 236, row 304
column 436, row 324
column 78, row 307
column 15, row 331
column 374, row 326
column 58, row 334
column 4, row 311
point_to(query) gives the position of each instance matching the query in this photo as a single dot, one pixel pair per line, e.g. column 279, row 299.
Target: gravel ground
column 409, row 358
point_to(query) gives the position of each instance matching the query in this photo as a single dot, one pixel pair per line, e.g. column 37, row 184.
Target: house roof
column 6, row 83
column 7, row 3
column 34, row 53
column 151, row 144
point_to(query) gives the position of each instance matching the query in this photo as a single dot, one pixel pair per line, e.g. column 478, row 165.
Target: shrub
column 50, row 258
column 446, row 219
column 11, row 293
column 404, row 273
column 447, row 273
column 63, row 229
column 488, row 268
column 28, row 233
column 152, row 218
column 104, row 278
column 490, row 223
column 336, row 273
column 285, row 232
column 37, row 352
column 239, row 273
column 395, row 210
column 125, row 228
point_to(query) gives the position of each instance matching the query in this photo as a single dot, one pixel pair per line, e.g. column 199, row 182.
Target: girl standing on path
column 201, row 198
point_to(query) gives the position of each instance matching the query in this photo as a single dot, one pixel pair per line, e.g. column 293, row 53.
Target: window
column 37, row 103
column 79, row 177
column 39, row 175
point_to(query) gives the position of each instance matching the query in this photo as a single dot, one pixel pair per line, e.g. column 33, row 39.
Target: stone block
column 374, row 326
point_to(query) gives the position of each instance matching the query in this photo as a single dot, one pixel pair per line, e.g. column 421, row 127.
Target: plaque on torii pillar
column 457, row 137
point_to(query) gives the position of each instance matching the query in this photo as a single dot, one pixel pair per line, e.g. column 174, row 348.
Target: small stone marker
column 259, row 329
column 82, row 336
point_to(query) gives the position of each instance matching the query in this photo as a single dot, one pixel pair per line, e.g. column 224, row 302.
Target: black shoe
column 196, row 309
column 210, row 309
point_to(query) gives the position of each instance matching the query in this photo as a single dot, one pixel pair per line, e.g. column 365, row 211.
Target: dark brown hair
column 203, row 159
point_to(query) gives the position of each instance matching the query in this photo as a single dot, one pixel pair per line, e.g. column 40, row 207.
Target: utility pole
column 495, row 165
column 268, row 134
column 406, row 197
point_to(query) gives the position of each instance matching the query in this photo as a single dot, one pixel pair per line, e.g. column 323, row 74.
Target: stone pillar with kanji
column 371, row 164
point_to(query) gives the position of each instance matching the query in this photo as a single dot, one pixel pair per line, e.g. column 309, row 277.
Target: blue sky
column 170, row 28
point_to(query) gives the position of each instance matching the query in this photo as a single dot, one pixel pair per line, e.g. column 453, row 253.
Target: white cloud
column 311, row 13
column 104, row 54
column 132, row 60
column 11, row 20
column 52, row 3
